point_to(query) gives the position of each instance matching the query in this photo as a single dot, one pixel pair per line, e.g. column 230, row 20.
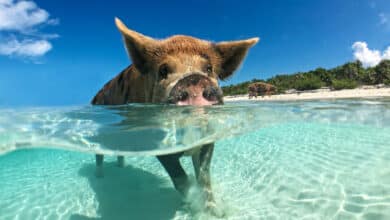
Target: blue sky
column 61, row 52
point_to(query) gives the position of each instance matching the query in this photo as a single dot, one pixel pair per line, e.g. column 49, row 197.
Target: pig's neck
column 127, row 87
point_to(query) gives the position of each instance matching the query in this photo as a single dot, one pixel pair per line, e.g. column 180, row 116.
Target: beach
column 323, row 93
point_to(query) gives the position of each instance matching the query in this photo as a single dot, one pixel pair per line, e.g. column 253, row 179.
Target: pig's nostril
column 182, row 96
column 194, row 80
column 210, row 94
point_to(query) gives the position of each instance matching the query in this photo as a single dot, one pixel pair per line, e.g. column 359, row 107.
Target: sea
column 313, row 159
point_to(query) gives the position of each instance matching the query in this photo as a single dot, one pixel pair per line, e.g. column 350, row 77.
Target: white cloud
column 20, row 21
column 25, row 48
column 368, row 57
column 365, row 55
column 386, row 54
column 21, row 15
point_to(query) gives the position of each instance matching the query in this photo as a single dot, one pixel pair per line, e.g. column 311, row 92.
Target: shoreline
column 323, row 93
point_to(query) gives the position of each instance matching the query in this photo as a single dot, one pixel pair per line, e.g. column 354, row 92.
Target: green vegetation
column 307, row 83
column 344, row 84
column 347, row 76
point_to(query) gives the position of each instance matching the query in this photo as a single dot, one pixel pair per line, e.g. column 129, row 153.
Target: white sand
column 361, row 92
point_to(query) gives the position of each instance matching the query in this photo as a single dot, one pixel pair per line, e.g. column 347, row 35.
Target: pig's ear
column 232, row 53
column 138, row 46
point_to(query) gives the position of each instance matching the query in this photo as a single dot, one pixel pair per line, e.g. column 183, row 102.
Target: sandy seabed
column 361, row 92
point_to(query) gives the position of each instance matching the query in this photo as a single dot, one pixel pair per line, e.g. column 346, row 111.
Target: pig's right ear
column 138, row 46
column 232, row 53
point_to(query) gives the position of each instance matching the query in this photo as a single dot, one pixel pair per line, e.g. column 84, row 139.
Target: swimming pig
column 179, row 70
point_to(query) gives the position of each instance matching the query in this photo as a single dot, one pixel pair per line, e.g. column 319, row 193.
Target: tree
column 367, row 77
column 348, row 75
column 382, row 72
column 350, row 70
column 324, row 75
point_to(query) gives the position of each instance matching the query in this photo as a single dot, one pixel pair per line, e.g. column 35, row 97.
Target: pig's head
column 183, row 70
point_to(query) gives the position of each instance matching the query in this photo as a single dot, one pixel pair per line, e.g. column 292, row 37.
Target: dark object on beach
column 261, row 89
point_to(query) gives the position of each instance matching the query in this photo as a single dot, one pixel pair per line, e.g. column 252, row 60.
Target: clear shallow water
column 307, row 160
column 128, row 130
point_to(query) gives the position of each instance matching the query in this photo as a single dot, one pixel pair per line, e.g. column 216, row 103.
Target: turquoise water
column 129, row 130
column 272, row 160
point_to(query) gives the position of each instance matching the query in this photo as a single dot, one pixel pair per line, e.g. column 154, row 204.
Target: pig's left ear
column 232, row 53
column 138, row 46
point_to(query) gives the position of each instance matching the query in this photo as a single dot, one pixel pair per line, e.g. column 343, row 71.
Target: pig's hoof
column 212, row 208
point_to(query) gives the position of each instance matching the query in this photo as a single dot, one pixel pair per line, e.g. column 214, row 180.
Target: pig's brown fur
column 261, row 88
column 189, row 60
column 137, row 83
column 124, row 88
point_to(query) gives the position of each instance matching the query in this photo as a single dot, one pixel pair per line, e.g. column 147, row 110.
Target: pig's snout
column 197, row 90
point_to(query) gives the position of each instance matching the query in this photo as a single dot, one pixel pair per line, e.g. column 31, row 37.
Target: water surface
column 273, row 160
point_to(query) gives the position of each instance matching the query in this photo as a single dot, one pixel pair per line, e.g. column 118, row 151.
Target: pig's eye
column 209, row 68
column 163, row 71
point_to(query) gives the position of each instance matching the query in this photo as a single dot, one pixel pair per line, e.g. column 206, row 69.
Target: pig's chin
column 194, row 101
column 197, row 102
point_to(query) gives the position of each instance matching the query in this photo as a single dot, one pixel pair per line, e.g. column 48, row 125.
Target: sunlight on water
column 128, row 130
column 295, row 160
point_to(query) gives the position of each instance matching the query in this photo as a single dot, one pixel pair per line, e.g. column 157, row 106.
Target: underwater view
column 273, row 160
column 195, row 110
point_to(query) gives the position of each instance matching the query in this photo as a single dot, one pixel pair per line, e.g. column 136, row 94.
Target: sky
column 62, row 52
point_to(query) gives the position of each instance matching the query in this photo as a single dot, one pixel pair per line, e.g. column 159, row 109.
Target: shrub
column 367, row 77
column 343, row 84
column 347, row 76
column 307, row 84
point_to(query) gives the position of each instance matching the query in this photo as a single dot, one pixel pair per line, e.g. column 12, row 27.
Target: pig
column 261, row 88
column 179, row 70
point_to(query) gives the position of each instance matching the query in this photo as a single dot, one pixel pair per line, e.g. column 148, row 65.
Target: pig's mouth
column 196, row 90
